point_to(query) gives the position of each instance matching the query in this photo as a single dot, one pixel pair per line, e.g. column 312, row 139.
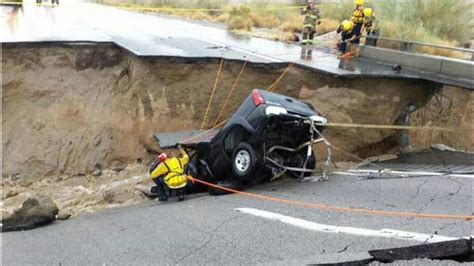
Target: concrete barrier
column 434, row 64
column 457, row 68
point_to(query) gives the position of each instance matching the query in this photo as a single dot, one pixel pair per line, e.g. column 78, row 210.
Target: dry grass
column 292, row 23
column 240, row 19
column 338, row 12
column 199, row 15
column 223, row 18
column 264, row 19
column 444, row 22
column 327, row 25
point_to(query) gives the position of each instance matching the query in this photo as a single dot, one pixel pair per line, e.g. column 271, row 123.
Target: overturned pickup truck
column 269, row 135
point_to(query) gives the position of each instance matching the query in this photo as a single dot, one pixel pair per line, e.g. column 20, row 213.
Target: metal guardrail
column 410, row 45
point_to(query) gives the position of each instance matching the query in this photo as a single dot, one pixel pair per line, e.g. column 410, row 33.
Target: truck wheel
column 244, row 162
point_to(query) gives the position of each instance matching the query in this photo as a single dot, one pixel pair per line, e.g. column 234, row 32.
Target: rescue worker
column 346, row 29
column 168, row 174
column 371, row 27
column 358, row 20
column 311, row 19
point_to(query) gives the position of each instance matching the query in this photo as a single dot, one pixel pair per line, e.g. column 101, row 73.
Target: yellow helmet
column 347, row 25
column 368, row 12
column 359, row 2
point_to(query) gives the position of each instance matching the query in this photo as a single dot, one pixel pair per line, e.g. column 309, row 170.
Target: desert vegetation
column 444, row 22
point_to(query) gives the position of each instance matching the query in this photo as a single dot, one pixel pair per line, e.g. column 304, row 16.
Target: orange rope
column 212, row 95
column 223, row 122
column 205, row 132
column 275, row 84
column 336, row 208
column 230, row 93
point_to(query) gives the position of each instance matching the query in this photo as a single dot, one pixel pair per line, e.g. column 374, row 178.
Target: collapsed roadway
column 224, row 229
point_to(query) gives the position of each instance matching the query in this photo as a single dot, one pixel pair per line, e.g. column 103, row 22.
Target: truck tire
column 245, row 162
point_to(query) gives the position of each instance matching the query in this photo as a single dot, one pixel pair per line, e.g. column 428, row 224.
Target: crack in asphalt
column 450, row 194
column 419, row 187
column 345, row 248
column 211, row 234
column 441, row 228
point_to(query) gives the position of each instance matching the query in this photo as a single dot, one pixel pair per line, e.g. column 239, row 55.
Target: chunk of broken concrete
column 63, row 216
column 461, row 248
column 442, row 147
column 34, row 212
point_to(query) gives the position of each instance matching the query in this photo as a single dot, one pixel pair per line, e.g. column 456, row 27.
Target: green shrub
column 451, row 20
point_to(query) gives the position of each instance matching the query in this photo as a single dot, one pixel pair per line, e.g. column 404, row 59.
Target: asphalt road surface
column 211, row 230
column 153, row 35
column 228, row 229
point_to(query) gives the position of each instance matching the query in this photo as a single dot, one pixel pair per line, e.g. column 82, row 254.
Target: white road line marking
column 421, row 173
column 386, row 233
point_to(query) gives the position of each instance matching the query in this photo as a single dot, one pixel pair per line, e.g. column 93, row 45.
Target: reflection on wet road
column 146, row 34
column 153, row 35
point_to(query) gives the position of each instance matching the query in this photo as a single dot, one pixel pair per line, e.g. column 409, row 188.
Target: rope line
column 230, row 94
column 225, row 121
column 206, row 114
column 277, row 82
column 200, row 9
column 205, row 132
column 374, row 126
column 337, row 208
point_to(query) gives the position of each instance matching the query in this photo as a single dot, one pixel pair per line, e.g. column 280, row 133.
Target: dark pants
column 161, row 188
column 164, row 191
column 357, row 32
column 308, row 36
column 342, row 47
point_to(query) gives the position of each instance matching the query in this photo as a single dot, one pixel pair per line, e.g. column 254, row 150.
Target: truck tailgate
column 189, row 137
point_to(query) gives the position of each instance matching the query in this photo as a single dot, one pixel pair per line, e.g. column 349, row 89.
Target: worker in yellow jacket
column 358, row 20
column 168, row 174
column 371, row 27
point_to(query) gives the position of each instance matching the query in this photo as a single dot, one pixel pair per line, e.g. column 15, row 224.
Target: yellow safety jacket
column 173, row 171
column 358, row 16
column 311, row 17
column 369, row 22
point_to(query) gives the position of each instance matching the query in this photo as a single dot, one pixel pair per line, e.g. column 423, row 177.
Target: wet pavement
column 153, row 35
column 207, row 230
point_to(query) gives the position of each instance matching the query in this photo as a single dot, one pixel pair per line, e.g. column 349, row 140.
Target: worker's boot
column 162, row 196
column 181, row 193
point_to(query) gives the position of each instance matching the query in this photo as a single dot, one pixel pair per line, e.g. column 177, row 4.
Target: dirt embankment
column 67, row 109
column 71, row 109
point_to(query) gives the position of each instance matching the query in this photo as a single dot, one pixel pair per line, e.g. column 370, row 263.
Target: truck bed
column 185, row 138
